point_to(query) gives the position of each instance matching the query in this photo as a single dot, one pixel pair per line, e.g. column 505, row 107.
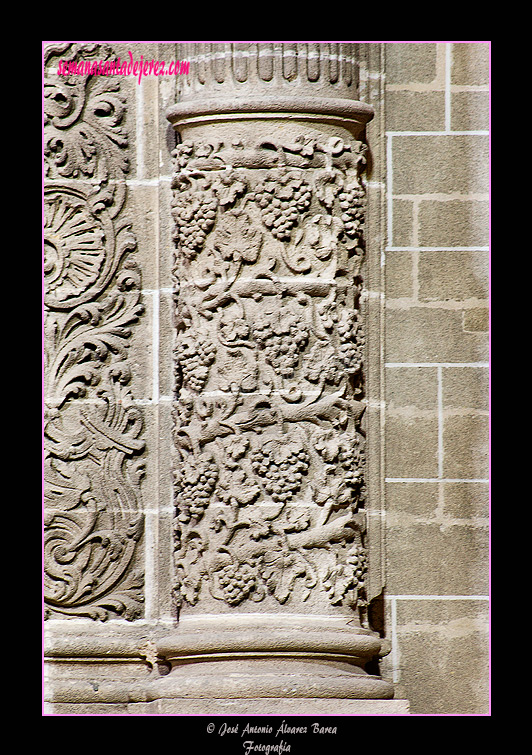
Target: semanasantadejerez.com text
column 123, row 68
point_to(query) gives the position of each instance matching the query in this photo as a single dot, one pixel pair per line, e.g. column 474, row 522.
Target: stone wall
column 427, row 308
column 436, row 360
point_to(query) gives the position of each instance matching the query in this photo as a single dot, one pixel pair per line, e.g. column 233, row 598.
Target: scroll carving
column 269, row 364
column 93, row 447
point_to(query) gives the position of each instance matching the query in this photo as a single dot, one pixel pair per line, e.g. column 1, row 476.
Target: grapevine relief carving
column 269, row 352
column 93, row 515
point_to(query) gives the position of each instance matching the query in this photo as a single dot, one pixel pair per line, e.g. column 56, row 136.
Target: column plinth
column 254, row 656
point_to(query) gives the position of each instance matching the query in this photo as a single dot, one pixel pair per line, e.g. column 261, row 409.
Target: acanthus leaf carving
column 93, row 446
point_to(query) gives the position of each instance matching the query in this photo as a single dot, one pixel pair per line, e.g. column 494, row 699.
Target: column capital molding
column 341, row 112
column 235, row 80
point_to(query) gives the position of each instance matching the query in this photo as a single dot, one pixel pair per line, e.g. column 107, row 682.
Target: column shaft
column 269, row 428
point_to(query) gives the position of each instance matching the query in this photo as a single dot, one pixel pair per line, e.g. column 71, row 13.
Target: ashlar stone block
column 450, row 164
column 470, row 63
column 454, row 222
column 450, row 639
column 411, row 62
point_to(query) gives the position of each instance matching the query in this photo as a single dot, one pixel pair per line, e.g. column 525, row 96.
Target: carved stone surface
column 93, row 514
column 282, row 637
column 269, row 371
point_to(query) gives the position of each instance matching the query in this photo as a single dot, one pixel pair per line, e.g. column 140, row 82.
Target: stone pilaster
column 92, row 295
column 271, row 547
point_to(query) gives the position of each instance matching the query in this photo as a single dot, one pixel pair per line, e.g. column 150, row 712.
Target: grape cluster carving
column 352, row 204
column 348, row 576
column 282, row 340
column 344, row 450
column 352, row 342
column 282, row 200
column 351, row 459
column 194, row 214
column 193, row 357
column 236, row 582
column 281, row 468
column 195, row 483
column 359, row 565
column 323, row 364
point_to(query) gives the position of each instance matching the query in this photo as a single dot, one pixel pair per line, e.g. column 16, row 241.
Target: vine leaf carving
column 237, row 238
column 281, row 569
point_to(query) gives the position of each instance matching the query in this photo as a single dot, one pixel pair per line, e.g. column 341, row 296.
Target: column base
column 219, row 665
column 250, row 657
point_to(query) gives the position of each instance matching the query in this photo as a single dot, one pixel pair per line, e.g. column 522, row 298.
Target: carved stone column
column 270, row 496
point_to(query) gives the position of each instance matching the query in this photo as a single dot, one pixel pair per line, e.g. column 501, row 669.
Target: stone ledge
column 239, row 707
